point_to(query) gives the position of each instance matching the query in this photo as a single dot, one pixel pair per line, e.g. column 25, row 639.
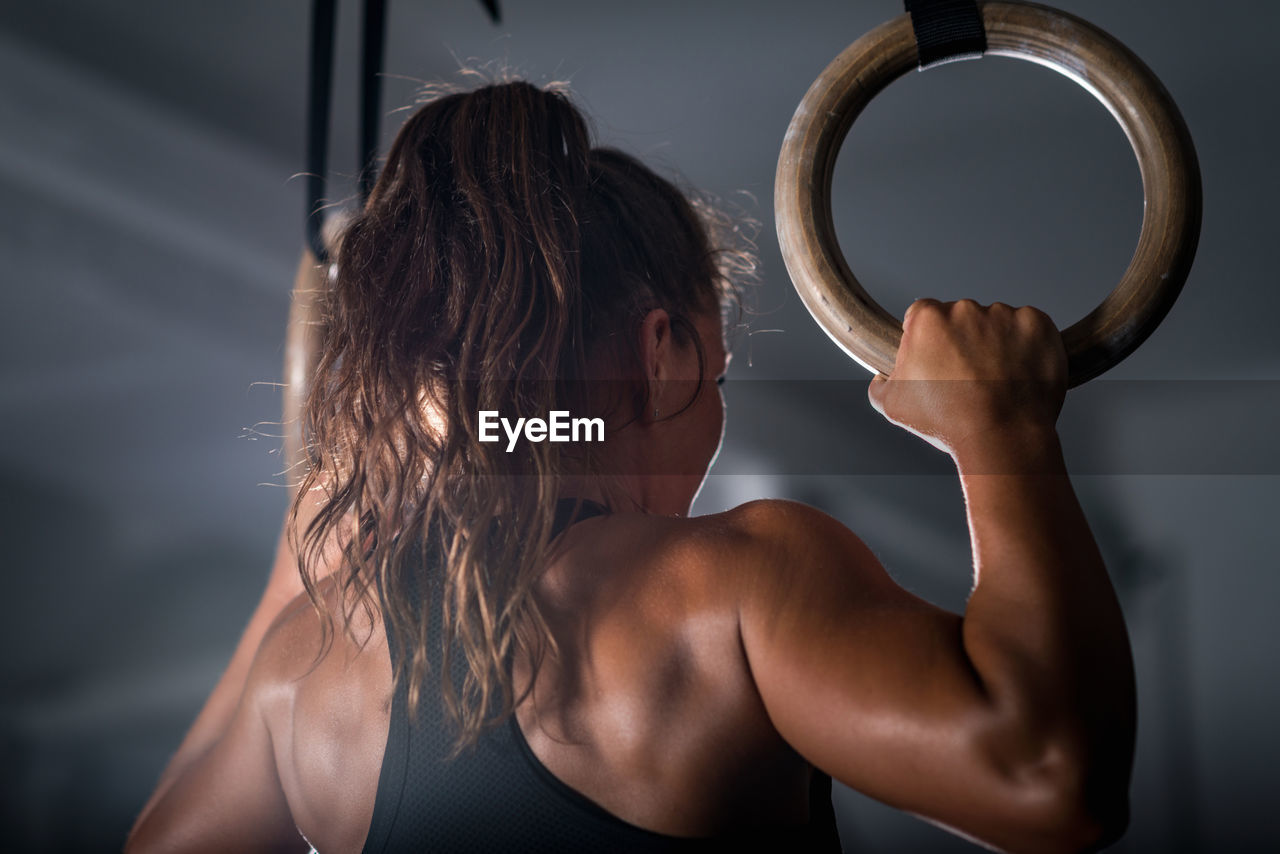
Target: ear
column 656, row 344
column 656, row 355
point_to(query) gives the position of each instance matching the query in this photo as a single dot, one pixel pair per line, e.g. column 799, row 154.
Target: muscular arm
column 229, row 797
column 214, row 719
column 1043, row 626
column 1012, row 724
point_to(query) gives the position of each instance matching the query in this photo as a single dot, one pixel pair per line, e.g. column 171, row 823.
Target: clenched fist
column 964, row 370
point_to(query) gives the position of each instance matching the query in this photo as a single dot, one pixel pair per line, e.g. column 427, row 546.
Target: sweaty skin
column 710, row 663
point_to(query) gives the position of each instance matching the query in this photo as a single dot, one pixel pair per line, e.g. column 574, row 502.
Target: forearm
column 1043, row 627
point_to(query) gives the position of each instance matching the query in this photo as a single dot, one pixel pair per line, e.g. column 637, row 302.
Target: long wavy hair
column 497, row 256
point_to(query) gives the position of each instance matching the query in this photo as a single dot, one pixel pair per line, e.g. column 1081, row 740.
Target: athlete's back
column 649, row 711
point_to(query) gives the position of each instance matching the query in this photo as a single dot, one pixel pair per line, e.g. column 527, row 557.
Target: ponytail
column 498, row 248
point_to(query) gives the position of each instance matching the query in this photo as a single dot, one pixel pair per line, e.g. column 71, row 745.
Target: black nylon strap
column 947, row 30
column 319, row 99
column 375, row 36
column 319, row 84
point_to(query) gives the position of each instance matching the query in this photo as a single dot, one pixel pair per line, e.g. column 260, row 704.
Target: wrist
column 1010, row 448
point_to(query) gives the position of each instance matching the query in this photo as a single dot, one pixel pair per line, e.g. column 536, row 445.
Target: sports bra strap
column 571, row 510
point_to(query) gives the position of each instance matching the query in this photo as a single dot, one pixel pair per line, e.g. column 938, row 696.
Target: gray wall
column 149, row 227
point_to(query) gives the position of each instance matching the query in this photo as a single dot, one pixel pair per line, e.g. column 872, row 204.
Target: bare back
column 650, row 710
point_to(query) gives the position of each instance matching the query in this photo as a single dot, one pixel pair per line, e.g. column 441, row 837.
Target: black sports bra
column 499, row 797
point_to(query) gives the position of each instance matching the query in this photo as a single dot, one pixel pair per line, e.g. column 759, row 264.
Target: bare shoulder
column 763, row 553
column 772, row 549
column 740, row 531
column 772, row 523
column 718, row 551
column 752, row 561
column 310, row 672
column 325, row 695
column 299, row 633
column 782, row 523
column 763, row 567
column 251, row 788
column 297, row 639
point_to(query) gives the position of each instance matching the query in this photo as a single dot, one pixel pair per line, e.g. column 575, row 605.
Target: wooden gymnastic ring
column 303, row 337
column 1069, row 45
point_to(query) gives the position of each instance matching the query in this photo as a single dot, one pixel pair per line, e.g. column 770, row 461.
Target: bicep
column 865, row 680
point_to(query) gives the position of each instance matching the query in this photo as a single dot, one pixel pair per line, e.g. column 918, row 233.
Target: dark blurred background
column 150, row 224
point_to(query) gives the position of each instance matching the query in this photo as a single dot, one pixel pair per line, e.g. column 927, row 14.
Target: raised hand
column 965, row 369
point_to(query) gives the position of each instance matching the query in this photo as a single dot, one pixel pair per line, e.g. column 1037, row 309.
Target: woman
column 528, row 645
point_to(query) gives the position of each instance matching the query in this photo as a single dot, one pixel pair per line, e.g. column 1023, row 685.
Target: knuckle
column 1033, row 316
column 922, row 307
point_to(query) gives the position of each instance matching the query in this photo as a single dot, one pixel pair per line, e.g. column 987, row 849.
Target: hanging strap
column 947, row 30
column 375, row 33
column 319, row 86
column 319, row 102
